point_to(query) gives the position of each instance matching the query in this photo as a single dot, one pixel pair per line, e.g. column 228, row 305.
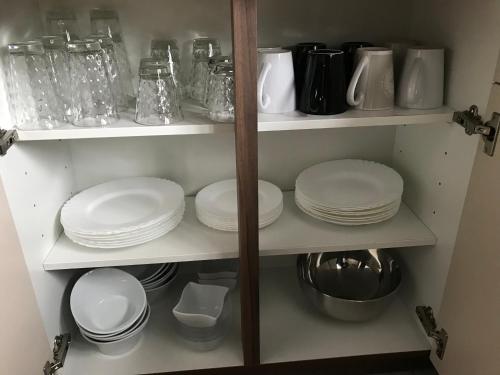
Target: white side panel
column 436, row 161
column 38, row 179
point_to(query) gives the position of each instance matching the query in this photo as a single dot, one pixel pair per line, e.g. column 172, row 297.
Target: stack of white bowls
column 349, row 192
column 123, row 212
column 155, row 278
column 110, row 308
column 217, row 205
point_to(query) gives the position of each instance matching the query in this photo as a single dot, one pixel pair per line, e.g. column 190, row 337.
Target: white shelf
column 293, row 233
column 292, row 330
column 161, row 349
column 196, row 122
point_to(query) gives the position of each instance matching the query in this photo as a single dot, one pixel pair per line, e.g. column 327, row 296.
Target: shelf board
column 196, row 122
column 161, row 349
column 283, row 308
column 293, row 233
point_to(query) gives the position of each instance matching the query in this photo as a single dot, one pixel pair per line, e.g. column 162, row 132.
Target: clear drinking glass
column 221, row 93
column 212, row 63
column 111, row 64
column 32, row 97
column 57, row 59
column 203, row 50
column 107, row 22
column 167, row 50
column 62, row 22
column 92, row 96
column 157, row 101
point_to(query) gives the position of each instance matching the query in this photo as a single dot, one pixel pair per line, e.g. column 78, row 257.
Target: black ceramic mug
column 324, row 89
column 299, row 53
column 350, row 49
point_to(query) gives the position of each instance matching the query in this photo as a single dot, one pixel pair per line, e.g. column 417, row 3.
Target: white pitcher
column 276, row 82
column 422, row 81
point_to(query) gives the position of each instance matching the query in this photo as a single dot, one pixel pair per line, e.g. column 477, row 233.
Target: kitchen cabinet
column 443, row 235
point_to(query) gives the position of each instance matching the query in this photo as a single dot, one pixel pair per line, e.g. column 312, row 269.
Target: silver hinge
column 61, row 346
column 440, row 336
column 473, row 124
column 7, row 139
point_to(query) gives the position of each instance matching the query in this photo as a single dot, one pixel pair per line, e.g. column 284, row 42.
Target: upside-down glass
column 221, row 93
column 112, row 69
column 107, row 22
column 92, row 97
column 203, row 50
column 57, row 59
column 167, row 50
column 157, row 101
column 32, row 97
column 212, row 63
column 62, row 22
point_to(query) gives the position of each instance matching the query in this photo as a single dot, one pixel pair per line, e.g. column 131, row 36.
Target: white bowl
column 200, row 306
column 169, row 274
column 107, row 301
column 142, row 272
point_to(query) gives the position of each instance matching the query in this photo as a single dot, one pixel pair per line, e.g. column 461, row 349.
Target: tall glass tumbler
column 167, row 50
column 203, row 50
column 92, row 95
column 324, row 87
column 57, row 59
column 212, row 64
column 62, row 22
column 221, row 93
column 157, row 101
column 107, row 22
column 111, row 64
column 32, row 97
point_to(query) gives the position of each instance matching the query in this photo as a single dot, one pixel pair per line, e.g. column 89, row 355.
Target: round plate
column 122, row 205
column 350, row 184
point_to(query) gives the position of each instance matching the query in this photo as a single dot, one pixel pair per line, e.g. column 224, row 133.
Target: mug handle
column 363, row 64
column 264, row 99
column 415, row 81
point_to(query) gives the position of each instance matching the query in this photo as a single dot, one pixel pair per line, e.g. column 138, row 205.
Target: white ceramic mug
column 422, row 81
column 372, row 84
column 276, row 82
column 399, row 49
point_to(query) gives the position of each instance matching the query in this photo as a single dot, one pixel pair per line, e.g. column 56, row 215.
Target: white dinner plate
column 350, row 184
column 122, row 205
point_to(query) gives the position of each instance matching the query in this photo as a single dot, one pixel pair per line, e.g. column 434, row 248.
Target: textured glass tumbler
column 221, row 93
column 92, row 100
column 203, row 50
column 57, row 59
column 168, row 51
column 62, row 22
column 106, row 22
column 157, row 102
column 212, row 64
column 111, row 64
column 32, row 97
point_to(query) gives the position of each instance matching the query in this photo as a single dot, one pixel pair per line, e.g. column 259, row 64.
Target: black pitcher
column 299, row 53
column 324, row 89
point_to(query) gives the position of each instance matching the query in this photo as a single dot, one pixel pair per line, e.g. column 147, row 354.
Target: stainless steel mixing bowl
column 350, row 285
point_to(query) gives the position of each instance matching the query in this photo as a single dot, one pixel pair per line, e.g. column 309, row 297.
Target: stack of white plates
column 155, row 278
column 123, row 212
column 110, row 309
column 217, row 205
column 349, row 192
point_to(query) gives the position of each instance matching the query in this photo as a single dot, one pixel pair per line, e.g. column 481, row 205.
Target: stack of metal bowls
column 350, row 285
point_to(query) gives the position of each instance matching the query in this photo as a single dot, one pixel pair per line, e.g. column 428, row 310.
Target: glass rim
column 30, row 47
column 76, row 46
column 53, row 42
column 103, row 39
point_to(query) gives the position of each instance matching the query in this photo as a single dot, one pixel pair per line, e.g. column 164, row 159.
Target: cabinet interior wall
column 435, row 160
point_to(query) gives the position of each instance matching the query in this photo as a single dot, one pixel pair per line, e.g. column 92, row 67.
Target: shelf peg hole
column 434, row 212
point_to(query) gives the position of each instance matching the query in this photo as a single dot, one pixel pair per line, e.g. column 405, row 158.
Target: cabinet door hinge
column 7, row 139
column 440, row 336
column 473, row 124
column 59, row 351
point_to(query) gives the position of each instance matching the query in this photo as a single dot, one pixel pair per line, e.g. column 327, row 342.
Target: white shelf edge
column 196, row 123
column 192, row 241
